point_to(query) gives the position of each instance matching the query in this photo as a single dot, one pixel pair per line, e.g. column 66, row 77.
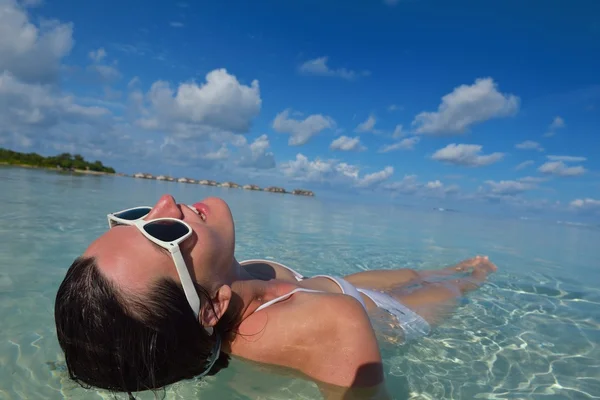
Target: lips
column 202, row 209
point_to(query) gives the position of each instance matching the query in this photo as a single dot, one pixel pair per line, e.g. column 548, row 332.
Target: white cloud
column 345, row 143
column 257, row 154
column 404, row 144
column 434, row 184
column 523, row 165
column 529, row 145
column 376, row 177
column 222, row 103
column 301, row 131
column 318, row 66
column 398, row 132
column 30, row 53
column 532, row 179
column 466, row 155
column 221, row 154
column 31, row 108
column 559, row 168
column 177, row 24
column 586, row 204
column 466, row 106
column 566, row 158
column 97, row 55
column 410, row 185
column 557, row 123
column 508, row 188
column 332, row 172
column 366, row 126
column 106, row 73
column 394, row 107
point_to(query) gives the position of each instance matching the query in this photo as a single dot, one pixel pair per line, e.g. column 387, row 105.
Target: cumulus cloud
column 97, row 55
column 529, row 145
column 394, row 107
column 466, row 106
column 301, row 131
column 557, row 123
column 398, row 132
column 318, row 66
column 345, row 143
column 31, row 108
column 508, row 188
column 222, row 103
column 523, row 165
column 32, row 54
column 257, row 154
column 409, row 184
column 559, row 168
column 466, row 155
column 566, row 158
column 404, row 144
column 586, row 204
column 367, row 126
column 376, row 177
column 332, row 172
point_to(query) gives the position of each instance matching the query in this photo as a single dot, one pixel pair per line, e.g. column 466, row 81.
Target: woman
column 160, row 297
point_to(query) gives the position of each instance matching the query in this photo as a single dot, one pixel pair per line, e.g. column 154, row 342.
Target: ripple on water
column 533, row 332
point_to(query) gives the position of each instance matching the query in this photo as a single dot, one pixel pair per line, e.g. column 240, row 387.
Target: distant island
column 64, row 161
column 76, row 163
column 231, row 185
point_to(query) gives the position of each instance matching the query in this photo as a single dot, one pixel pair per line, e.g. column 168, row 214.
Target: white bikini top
column 346, row 287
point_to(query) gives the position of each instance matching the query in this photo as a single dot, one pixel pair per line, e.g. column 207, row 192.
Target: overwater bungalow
column 275, row 189
column 251, row 187
column 302, row 192
column 207, row 182
column 229, row 185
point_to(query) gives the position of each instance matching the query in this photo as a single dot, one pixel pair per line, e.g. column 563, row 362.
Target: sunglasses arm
column 186, row 280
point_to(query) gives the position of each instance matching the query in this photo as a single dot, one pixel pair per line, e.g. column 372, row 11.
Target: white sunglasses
column 168, row 233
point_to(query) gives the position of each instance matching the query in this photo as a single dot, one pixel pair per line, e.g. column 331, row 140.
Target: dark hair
column 135, row 343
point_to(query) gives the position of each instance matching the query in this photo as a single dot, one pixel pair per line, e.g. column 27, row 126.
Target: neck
column 237, row 273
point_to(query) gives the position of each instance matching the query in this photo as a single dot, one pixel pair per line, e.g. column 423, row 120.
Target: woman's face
column 134, row 263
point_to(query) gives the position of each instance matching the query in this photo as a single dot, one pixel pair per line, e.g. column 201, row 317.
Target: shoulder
column 327, row 337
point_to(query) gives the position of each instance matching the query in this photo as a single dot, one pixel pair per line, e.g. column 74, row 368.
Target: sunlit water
column 533, row 332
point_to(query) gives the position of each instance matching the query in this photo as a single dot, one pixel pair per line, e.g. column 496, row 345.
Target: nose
column 165, row 207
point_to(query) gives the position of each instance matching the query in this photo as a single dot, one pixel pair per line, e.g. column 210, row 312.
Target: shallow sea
column 532, row 332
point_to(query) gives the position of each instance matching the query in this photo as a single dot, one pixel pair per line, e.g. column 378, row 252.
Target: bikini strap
column 285, row 296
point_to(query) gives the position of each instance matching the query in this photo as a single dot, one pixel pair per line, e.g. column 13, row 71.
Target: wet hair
column 127, row 343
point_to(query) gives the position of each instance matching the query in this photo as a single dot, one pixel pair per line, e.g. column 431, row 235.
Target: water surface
column 533, row 332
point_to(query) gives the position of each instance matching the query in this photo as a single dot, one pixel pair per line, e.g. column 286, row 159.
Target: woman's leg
column 435, row 301
column 390, row 279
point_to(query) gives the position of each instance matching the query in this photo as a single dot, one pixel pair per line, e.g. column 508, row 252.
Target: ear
column 210, row 316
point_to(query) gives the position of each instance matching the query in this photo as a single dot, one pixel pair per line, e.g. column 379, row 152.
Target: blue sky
column 465, row 104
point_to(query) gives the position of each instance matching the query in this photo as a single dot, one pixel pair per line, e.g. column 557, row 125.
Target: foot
column 480, row 264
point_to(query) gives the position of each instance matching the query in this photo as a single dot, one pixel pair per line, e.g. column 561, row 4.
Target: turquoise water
column 533, row 332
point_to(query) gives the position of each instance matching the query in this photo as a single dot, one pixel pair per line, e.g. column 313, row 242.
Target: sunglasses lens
column 134, row 214
column 167, row 231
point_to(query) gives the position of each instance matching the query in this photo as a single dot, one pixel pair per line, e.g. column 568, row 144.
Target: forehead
column 128, row 259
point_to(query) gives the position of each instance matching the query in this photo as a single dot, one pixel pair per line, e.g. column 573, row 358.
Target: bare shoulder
column 327, row 337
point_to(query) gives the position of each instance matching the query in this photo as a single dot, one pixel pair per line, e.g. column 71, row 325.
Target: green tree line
column 64, row 161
